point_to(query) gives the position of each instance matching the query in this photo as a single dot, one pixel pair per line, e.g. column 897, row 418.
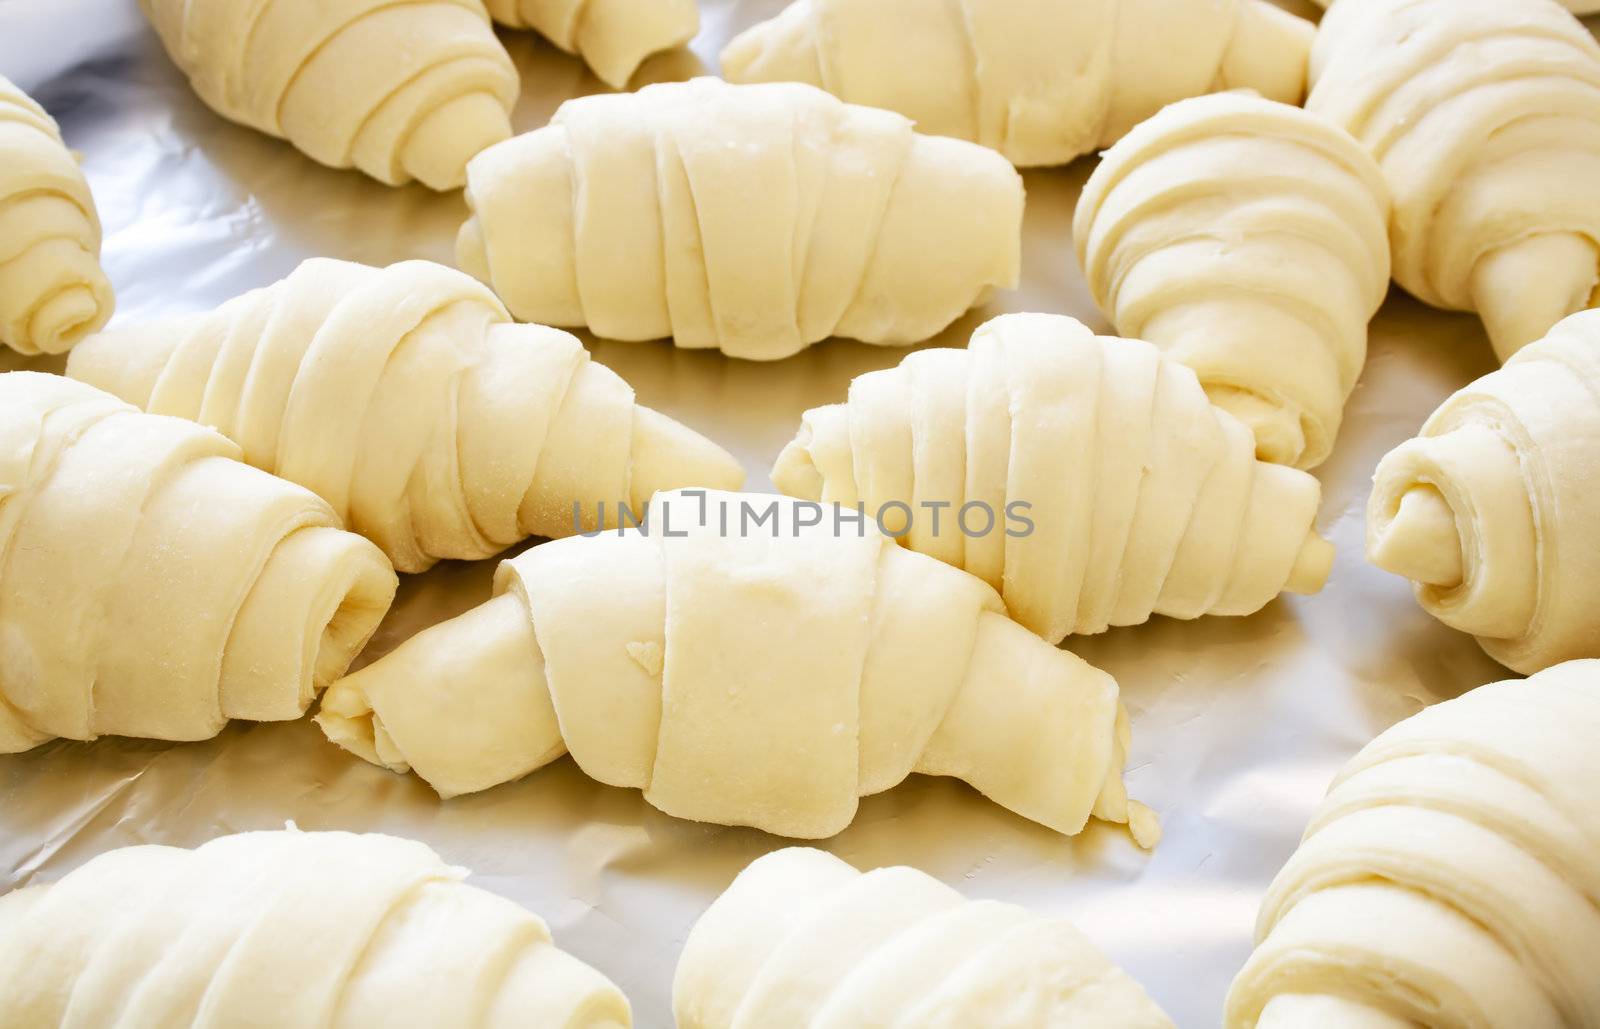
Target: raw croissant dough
column 402, row 91
column 802, row 939
column 1575, row 6
column 612, row 36
column 767, row 675
column 408, row 400
column 1449, row 877
column 1485, row 117
column 1042, row 83
column 1493, row 512
column 755, row 219
column 1143, row 497
column 52, row 291
column 1248, row 240
column 150, row 585
column 289, row 929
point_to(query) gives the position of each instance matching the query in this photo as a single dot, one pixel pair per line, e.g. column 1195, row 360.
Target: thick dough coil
column 1449, row 877
column 1485, row 117
column 754, row 219
column 302, row 930
column 1043, row 83
column 1087, row 478
column 764, row 673
column 401, row 89
column 407, row 399
column 612, row 36
column 803, row 940
column 151, row 585
column 52, row 290
column 1492, row 510
column 1248, row 240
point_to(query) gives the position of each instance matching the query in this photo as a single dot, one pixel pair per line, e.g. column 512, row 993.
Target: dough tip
column 1420, row 542
column 438, row 149
column 1523, row 289
column 1311, row 565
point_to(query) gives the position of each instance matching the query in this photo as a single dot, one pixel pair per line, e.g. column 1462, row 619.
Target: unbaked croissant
column 303, row 930
column 1485, row 117
column 612, row 36
column 1575, row 6
column 52, row 290
column 1087, row 478
column 1248, row 240
column 150, row 585
column 745, row 660
column 1042, row 83
column 803, row 939
column 754, row 219
column 1493, row 510
column 402, row 91
column 407, row 399
column 1449, row 877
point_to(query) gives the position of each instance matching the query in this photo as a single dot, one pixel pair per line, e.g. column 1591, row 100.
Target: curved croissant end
column 1248, row 240
column 407, row 399
column 52, row 289
column 1485, row 118
column 1449, row 876
column 650, row 656
column 1492, row 510
column 316, row 928
column 801, row 938
column 612, row 36
column 1041, row 83
column 401, row 91
column 150, row 585
column 753, row 219
column 1169, row 512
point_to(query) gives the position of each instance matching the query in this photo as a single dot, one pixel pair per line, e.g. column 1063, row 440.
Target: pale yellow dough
column 151, row 585
column 753, row 219
column 746, row 669
column 801, row 940
column 298, row 930
column 401, row 90
column 1247, row 239
column 1144, row 497
column 1042, row 82
column 408, row 399
column 612, row 36
column 1485, row 118
column 52, row 289
column 1449, row 877
column 1575, row 6
column 1493, row 512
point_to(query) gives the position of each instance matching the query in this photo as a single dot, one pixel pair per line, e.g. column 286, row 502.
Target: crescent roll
column 746, row 660
column 408, row 399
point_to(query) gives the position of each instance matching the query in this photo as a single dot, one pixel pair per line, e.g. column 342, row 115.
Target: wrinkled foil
column 1239, row 723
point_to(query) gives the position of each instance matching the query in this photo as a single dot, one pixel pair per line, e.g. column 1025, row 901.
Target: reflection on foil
column 1239, row 724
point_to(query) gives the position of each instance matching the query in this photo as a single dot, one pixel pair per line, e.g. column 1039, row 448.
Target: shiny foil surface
column 1239, row 724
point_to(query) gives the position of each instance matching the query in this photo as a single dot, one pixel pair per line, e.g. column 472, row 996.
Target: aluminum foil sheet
column 1239, row 724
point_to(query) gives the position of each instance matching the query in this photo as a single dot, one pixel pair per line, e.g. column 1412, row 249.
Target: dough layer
column 1247, row 239
column 1449, row 877
column 52, row 289
column 152, row 585
column 1492, row 509
column 752, row 219
column 803, row 940
column 401, row 89
column 299, row 930
column 1043, row 83
column 1485, row 118
column 407, row 398
column 1087, row 478
column 612, row 36
column 746, row 660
